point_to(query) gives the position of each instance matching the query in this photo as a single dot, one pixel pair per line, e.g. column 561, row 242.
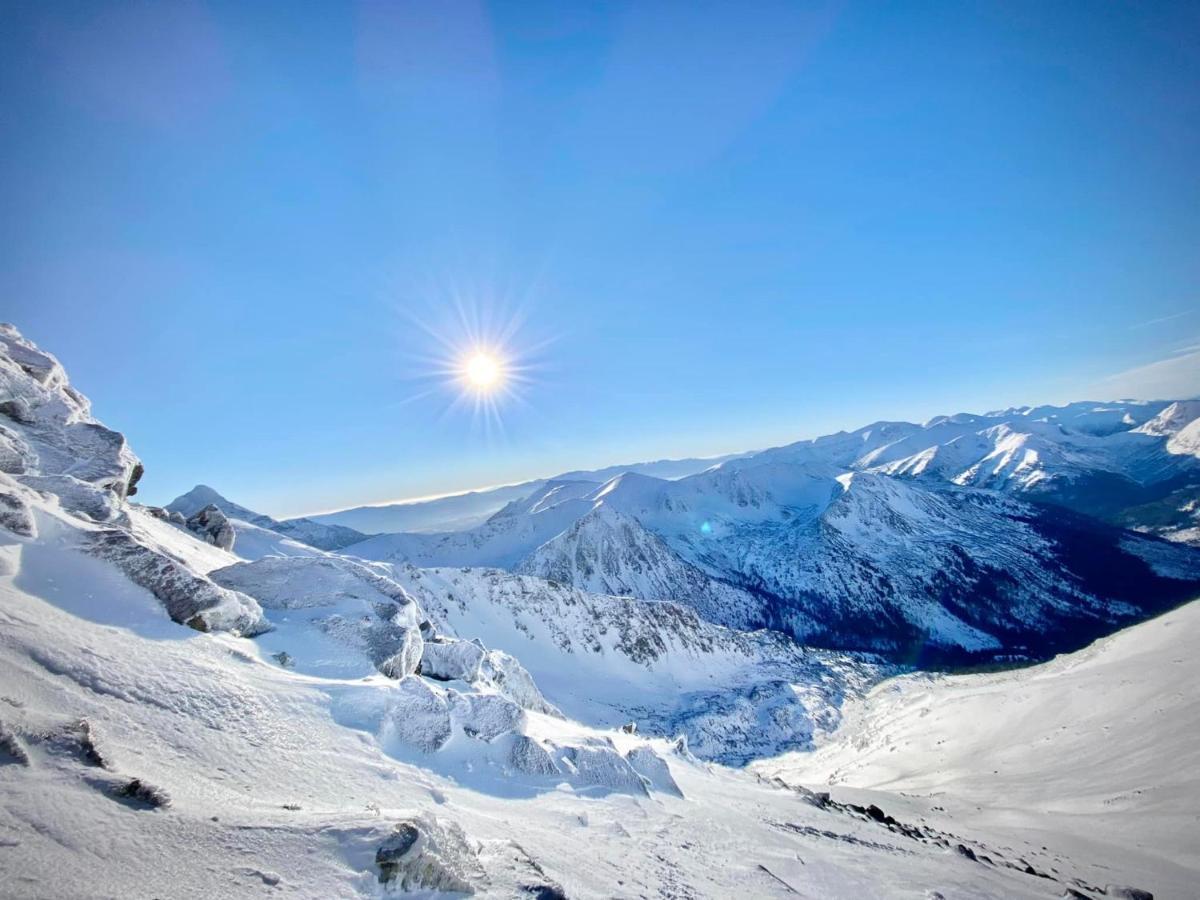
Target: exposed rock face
column 49, row 424
column 214, row 526
column 423, row 854
column 189, row 598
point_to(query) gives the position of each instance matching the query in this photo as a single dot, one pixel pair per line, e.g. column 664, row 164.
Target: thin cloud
column 1173, row 377
column 1161, row 319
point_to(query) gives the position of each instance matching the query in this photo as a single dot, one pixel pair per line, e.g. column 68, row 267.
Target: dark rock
column 11, row 748
column 544, row 891
column 89, row 745
column 396, row 845
column 134, row 477
column 141, row 793
column 963, row 850
column 1124, row 892
column 18, row 410
column 213, row 525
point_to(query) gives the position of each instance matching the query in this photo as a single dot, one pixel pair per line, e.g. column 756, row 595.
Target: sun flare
column 483, row 371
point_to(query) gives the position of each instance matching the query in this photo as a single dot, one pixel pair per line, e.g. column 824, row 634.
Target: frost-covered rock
column 451, row 659
column 189, row 598
column 486, row 716
column 301, row 582
column 76, row 496
column 509, row 677
column 425, row 854
column 418, row 716
column 49, row 422
column 529, row 757
column 213, row 526
column 407, row 658
column 654, row 769
column 600, row 765
column 15, row 512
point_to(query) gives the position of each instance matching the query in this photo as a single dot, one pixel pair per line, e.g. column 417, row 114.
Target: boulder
column 450, row 659
column 419, row 716
column 407, row 656
column 602, row 766
column 486, row 716
column 423, row 854
column 530, row 758
column 510, row 678
column 654, row 769
column 1124, row 892
column 189, row 598
column 213, row 526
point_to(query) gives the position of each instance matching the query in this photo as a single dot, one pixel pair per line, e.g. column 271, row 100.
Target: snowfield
column 1094, row 754
column 194, row 702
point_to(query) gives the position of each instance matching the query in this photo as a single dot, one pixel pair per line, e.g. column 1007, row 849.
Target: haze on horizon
column 269, row 247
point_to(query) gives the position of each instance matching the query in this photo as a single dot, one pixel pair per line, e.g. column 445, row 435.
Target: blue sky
column 717, row 226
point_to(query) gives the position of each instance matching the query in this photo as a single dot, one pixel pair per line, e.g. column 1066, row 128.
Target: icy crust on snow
column 611, row 660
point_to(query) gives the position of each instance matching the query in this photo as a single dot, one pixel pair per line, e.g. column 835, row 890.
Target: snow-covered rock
column 213, row 526
column 451, row 659
column 407, row 658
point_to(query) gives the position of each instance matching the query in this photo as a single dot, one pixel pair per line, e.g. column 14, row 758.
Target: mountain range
column 613, row 687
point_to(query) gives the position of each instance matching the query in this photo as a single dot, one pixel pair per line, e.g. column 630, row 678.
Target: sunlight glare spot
column 483, row 371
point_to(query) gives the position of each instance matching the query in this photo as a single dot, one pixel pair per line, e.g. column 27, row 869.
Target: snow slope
column 178, row 721
column 1093, row 753
column 253, row 778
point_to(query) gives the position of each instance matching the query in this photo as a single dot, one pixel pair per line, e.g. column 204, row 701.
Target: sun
column 483, row 371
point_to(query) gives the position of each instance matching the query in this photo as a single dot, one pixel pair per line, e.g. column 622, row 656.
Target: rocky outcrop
column 189, row 598
column 213, row 526
column 450, row 659
column 407, row 658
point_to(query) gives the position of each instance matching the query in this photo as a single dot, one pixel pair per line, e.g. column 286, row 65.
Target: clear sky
column 248, row 228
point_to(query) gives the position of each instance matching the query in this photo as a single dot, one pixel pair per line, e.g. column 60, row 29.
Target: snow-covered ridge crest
column 67, row 474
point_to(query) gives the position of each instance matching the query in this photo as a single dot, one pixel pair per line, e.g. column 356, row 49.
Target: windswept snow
column 1093, row 754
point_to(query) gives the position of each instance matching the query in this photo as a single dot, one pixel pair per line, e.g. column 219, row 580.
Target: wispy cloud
column 1175, row 376
column 1161, row 319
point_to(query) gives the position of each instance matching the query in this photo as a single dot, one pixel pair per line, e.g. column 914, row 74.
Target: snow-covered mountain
column 456, row 512
column 305, row 531
column 845, row 542
column 1093, row 753
column 193, row 705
